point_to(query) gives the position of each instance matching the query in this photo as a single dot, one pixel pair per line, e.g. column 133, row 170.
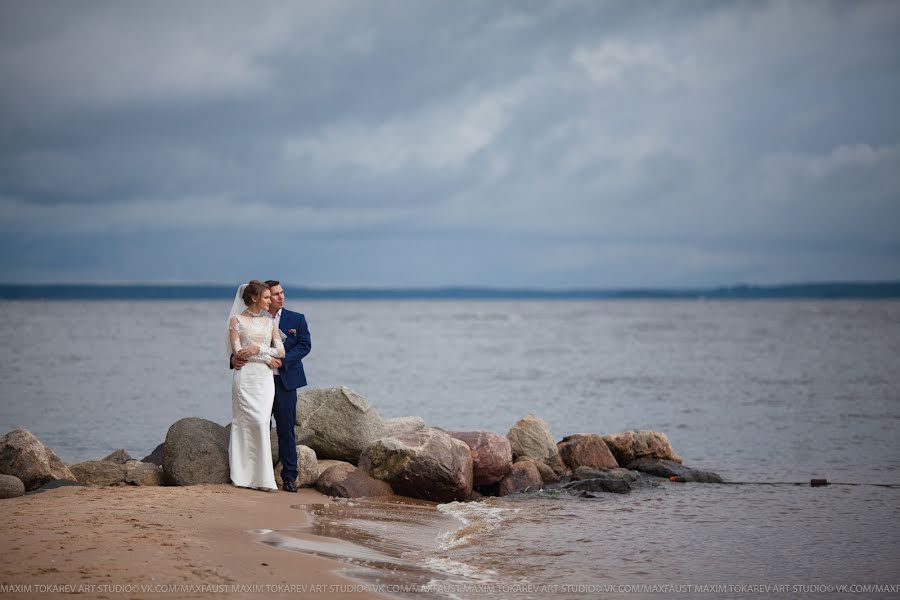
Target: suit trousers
column 285, row 411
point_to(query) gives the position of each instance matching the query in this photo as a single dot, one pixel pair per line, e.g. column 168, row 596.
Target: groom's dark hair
column 270, row 283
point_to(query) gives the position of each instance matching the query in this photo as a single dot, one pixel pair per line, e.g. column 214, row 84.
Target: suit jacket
column 296, row 346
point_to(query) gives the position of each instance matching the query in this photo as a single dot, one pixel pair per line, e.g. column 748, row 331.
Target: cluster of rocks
column 346, row 449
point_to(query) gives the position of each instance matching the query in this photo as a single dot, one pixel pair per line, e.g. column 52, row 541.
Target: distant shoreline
column 178, row 291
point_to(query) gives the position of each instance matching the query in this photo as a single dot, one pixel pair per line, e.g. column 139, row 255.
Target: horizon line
column 208, row 291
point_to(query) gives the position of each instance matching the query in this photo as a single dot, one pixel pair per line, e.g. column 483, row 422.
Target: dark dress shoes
column 289, row 486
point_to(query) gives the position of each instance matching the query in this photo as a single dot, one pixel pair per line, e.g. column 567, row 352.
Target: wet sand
column 172, row 542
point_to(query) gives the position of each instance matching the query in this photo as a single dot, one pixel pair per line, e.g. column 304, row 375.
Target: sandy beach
column 173, row 542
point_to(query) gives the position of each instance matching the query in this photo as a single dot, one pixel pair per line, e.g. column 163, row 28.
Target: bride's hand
column 247, row 352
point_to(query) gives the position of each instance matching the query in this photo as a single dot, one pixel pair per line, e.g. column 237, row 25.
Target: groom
column 289, row 377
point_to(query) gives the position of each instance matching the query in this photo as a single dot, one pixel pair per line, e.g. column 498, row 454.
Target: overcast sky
column 421, row 143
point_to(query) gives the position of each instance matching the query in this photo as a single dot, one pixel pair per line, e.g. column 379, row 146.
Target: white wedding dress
column 252, row 394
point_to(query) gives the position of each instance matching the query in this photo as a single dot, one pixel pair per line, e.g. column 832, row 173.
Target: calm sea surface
column 757, row 391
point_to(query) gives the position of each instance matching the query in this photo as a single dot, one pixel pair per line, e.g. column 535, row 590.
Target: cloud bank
column 560, row 144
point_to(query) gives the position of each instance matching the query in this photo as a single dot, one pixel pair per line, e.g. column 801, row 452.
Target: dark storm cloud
column 509, row 143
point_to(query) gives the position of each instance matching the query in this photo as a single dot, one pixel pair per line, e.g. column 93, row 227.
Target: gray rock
column 99, row 472
column 426, row 464
column 11, row 487
column 586, row 450
column 530, row 436
column 337, row 423
column 628, row 446
column 143, row 473
column 491, row 455
column 55, row 484
column 196, row 452
column 601, row 484
column 582, row 473
column 669, row 469
column 120, row 457
column 346, row 481
column 156, row 457
column 307, row 468
column 22, row 455
column 403, row 425
column 524, row 477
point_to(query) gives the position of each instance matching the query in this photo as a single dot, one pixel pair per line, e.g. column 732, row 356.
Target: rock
column 143, row 473
column 614, row 485
column 58, row 483
column 524, row 477
column 530, row 436
column 273, row 441
column 628, row 446
column 11, row 487
column 582, row 473
column 548, row 475
column 99, row 472
column 346, row 481
column 120, row 457
column 403, row 425
column 307, row 468
column 24, row 456
column 326, row 464
column 586, row 450
column 337, row 423
column 427, row 464
column 668, row 468
column 156, row 457
column 491, row 455
column 196, row 452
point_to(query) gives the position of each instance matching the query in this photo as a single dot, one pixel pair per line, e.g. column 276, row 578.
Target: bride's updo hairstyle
column 254, row 288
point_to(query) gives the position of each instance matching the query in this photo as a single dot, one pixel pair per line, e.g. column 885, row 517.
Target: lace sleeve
column 276, row 350
column 234, row 333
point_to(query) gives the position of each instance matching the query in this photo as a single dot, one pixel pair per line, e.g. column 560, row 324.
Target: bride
column 253, row 336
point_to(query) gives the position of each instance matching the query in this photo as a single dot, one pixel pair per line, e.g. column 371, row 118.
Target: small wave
column 461, row 569
column 477, row 518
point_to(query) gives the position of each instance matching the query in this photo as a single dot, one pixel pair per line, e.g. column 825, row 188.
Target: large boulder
column 629, row 446
column 403, row 425
column 586, row 450
column 22, row 455
column 491, row 455
column 427, row 464
column 530, row 436
column 523, row 477
column 196, row 451
column 99, row 472
column 337, row 423
column 346, row 481
column 11, row 487
column 669, row 469
column 143, row 473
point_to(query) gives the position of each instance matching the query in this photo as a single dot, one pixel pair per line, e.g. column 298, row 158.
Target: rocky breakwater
column 27, row 464
column 346, row 449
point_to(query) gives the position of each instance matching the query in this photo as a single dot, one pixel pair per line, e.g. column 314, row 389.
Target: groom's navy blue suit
column 290, row 377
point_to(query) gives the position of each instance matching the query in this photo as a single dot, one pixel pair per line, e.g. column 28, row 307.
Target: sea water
column 765, row 392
